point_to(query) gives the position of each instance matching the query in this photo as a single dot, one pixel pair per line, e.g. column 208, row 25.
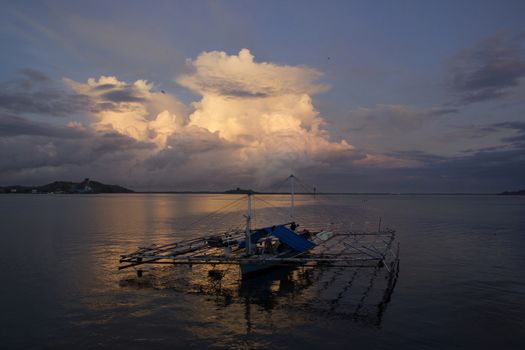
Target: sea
column 460, row 282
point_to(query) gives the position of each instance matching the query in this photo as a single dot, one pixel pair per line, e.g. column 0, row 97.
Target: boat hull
column 252, row 269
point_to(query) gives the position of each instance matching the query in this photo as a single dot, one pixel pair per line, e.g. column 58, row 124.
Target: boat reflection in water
column 284, row 295
column 326, row 271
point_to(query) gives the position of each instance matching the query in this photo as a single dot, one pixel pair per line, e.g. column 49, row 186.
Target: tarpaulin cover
column 285, row 235
column 290, row 238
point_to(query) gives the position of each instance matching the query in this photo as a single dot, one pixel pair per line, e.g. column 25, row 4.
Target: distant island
column 62, row 187
column 240, row 191
column 88, row 186
column 513, row 193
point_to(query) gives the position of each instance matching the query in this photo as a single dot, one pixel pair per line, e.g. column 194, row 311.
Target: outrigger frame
column 350, row 249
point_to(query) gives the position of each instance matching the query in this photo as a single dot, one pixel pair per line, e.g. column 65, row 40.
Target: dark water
column 461, row 282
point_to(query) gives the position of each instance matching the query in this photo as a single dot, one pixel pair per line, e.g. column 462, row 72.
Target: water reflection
column 282, row 297
column 218, row 305
column 62, row 288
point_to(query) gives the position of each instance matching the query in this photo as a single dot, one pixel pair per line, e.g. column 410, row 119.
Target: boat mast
column 248, row 226
column 292, row 199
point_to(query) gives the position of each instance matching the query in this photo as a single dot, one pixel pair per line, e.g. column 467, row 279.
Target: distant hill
column 86, row 186
column 513, row 193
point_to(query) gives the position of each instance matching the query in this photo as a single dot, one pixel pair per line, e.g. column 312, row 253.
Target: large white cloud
column 265, row 107
column 239, row 75
column 135, row 110
column 259, row 117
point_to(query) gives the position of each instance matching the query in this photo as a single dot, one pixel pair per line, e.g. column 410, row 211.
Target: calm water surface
column 461, row 283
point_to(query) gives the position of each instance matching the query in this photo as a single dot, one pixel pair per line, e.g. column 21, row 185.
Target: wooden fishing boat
column 256, row 250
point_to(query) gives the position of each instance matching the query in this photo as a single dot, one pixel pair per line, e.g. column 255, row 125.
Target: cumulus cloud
column 239, row 75
column 242, row 98
column 264, row 107
column 133, row 109
column 253, row 119
column 253, row 125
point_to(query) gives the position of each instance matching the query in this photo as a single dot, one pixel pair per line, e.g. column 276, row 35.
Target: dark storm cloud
column 122, row 95
column 240, row 93
column 487, row 170
column 493, row 170
column 35, row 147
column 480, row 131
column 33, row 92
column 501, row 167
column 419, row 156
column 105, row 87
column 517, row 140
column 35, row 75
column 517, row 125
column 34, row 152
column 485, row 149
column 395, row 118
column 11, row 125
column 489, row 70
column 471, row 131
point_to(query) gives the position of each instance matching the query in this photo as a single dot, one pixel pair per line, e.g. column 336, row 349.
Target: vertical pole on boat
column 248, row 226
column 293, row 197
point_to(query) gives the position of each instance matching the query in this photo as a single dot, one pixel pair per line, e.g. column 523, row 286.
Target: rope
column 276, row 208
column 281, row 184
column 333, row 217
column 209, row 216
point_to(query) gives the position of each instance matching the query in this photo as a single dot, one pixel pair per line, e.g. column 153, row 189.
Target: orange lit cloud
column 253, row 118
column 384, row 161
column 265, row 107
column 135, row 110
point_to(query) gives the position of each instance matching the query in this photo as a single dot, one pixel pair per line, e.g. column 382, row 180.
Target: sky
column 350, row 96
